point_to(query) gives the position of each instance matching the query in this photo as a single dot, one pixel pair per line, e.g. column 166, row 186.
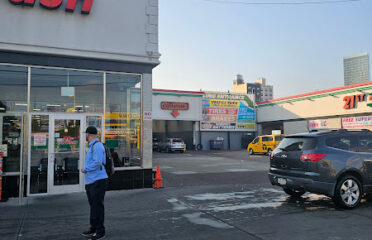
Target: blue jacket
column 94, row 160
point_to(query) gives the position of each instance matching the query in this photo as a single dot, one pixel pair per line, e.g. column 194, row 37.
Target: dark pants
column 96, row 195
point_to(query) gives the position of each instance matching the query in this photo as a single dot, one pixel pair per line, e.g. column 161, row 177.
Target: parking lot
column 236, row 191
column 207, row 195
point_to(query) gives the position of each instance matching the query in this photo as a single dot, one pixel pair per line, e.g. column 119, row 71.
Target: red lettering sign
column 350, row 101
column 174, row 105
column 55, row 4
column 51, row 4
column 218, row 110
column 23, row 2
column 87, row 5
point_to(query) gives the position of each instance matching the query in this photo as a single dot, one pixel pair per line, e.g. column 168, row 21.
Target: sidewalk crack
column 20, row 228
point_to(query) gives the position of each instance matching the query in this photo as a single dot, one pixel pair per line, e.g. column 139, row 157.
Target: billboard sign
column 364, row 122
column 227, row 112
column 318, row 124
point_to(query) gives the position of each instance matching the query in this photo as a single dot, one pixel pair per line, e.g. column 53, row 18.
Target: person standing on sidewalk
column 95, row 184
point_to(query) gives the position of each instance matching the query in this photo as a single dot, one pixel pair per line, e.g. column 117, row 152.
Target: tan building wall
column 323, row 105
column 240, row 88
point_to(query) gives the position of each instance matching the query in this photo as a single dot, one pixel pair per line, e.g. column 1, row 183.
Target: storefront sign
column 350, row 101
column 55, row 4
column 228, row 112
column 357, row 122
column 318, row 124
column 174, row 106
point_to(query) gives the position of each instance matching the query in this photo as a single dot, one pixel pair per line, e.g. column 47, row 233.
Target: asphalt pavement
column 200, row 203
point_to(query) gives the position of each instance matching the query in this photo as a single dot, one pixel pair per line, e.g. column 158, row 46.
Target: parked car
column 264, row 144
column 335, row 163
column 172, row 145
column 155, row 145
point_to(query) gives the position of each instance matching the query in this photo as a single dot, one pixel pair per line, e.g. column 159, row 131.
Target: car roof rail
column 366, row 130
column 342, row 130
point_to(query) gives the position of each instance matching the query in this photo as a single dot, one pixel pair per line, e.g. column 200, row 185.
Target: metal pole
column 21, row 170
column 103, row 138
column 1, row 174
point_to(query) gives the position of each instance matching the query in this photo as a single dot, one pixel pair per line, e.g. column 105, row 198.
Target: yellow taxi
column 264, row 144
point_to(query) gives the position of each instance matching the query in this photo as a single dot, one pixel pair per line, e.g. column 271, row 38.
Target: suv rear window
column 177, row 141
column 290, row 144
column 279, row 138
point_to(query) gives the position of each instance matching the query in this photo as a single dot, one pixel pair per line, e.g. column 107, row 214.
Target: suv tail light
column 313, row 157
column 171, row 141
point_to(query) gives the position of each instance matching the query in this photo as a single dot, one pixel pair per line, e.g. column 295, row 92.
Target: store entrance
column 57, row 150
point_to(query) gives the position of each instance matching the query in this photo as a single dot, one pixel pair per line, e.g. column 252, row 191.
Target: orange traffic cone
column 158, row 180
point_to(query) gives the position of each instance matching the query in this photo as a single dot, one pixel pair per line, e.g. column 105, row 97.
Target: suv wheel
column 251, row 151
column 348, row 192
column 293, row 192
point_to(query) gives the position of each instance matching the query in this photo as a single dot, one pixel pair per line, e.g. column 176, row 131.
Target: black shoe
column 97, row 236
column 88, row 233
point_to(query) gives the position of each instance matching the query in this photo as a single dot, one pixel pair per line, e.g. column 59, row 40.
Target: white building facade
column 66, row 65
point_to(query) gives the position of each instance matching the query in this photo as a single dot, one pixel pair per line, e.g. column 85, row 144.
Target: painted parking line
column 239, row 170
column 257, row 156
column 187, row 155
column 183, row 172
column 166, row 167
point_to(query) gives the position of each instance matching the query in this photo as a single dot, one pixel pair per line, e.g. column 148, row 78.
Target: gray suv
column 172, row 145
column 335, row 163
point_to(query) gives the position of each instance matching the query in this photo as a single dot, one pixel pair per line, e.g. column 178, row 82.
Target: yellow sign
column 224, row 103
column 122, row 115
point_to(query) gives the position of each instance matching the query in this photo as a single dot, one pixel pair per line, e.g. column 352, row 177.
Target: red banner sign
column 174, row 106
column 217, row 110
column 55, row 4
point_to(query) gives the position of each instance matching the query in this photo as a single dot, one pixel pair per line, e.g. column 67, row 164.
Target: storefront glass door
column 57, row 151
column 65, row 153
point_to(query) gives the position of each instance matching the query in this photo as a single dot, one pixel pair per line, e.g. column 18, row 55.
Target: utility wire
column 281, row 3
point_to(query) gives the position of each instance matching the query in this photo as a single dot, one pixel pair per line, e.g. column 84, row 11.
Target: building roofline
column 176, row 91
column 316, row 93
column 357, row 55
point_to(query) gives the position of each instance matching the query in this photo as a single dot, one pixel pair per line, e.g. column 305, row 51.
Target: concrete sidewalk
column 134, row 214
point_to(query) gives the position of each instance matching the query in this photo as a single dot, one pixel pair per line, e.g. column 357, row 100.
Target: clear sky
column 297, row 48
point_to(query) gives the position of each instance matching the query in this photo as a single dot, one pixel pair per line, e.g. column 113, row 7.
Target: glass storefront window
column 39, row 153
column 13, row 103
column 123, row 119
column 70, row 91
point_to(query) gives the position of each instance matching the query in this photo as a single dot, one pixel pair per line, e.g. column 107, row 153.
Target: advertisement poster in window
column 227, row 112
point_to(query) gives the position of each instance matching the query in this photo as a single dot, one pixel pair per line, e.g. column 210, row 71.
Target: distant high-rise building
column 259, row 89
column 356, row 69
column 267, row 91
